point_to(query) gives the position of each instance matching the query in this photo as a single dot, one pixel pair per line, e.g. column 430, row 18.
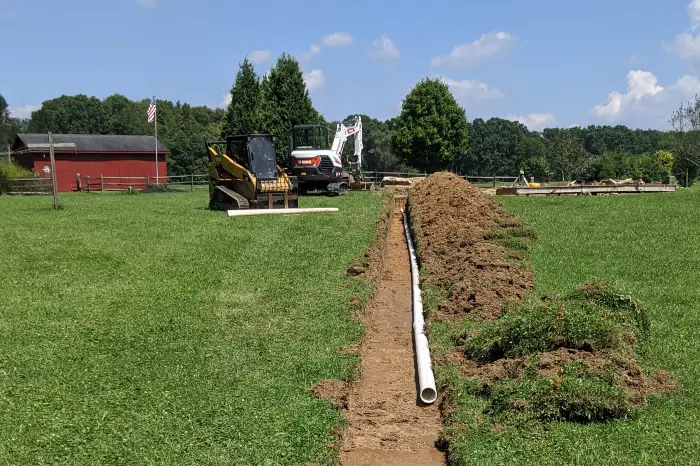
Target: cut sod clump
column 592, row 318
column 576, row 394
column 570, row 357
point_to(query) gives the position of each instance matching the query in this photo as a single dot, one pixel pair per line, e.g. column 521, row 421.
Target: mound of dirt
column 451, row 220
column 569, row 357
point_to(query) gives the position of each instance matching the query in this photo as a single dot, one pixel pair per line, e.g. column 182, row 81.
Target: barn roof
column 90, row 143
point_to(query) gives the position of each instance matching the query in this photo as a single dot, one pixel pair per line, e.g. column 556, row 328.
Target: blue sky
column 543, row 62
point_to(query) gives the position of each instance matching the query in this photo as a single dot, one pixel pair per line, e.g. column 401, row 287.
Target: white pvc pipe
column 291, row 211
column 426, row 379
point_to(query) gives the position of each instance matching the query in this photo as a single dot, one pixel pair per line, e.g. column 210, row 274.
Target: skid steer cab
column 243, row 174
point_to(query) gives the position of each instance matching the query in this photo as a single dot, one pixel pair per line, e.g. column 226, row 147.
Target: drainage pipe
column 290, row 211
column 426, row 379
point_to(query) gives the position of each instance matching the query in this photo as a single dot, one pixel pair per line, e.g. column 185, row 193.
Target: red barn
column 93, row 155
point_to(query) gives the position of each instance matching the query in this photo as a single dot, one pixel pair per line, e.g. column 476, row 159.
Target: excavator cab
column 243, row 173
column 310, row 137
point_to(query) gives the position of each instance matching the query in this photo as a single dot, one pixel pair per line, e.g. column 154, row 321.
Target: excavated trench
column 387, row 424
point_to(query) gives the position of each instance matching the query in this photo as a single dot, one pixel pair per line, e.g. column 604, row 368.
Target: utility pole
column 51, row 146
column 53, row 172
column 9, row 154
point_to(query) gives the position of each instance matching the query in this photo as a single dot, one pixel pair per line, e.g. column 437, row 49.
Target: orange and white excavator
column 318, row 165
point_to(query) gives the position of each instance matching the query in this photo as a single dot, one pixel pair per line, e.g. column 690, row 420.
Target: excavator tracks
column 223, row 198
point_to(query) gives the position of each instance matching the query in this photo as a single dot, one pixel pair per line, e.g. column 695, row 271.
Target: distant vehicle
column 318, row 165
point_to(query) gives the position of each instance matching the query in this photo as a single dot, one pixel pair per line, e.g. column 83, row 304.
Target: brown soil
column 452, row 217
column 386, row 424
column 335, row 391
column 451, row 220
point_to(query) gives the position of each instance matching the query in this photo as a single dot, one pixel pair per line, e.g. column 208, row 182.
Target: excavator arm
column 351, row 127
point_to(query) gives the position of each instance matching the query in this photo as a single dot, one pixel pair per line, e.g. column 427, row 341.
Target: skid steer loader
column 243, row 174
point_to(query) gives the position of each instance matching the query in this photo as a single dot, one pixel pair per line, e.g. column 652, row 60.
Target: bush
column 10, row 171
column 130, row 191
column 594, row 317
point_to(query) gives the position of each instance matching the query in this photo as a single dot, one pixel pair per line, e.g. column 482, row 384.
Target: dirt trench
column 386, row 423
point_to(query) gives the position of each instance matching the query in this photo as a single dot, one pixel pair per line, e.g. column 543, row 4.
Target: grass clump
column 592, row 318
column 514, row 236
column 576, row 394
column 569, row 357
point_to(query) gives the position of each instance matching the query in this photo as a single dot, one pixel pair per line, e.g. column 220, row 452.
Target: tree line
column 431, row 133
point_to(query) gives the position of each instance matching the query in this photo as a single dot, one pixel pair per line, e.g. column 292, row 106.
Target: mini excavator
column 243, row 174
column 318, row 164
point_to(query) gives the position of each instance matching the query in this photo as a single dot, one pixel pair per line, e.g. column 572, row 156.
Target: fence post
column 192, row 183
column 102, row 183
column 80, row 184
column 494, row 181
column 88, row 183
column 148, row 181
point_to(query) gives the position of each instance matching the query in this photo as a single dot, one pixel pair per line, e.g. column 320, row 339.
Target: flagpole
column 155, row 120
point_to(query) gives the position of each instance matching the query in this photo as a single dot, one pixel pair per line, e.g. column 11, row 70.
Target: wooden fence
column 120, row 183
column 491, row 181
column 29, row 186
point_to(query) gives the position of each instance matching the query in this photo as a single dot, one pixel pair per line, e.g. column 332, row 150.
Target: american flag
column 152, row 110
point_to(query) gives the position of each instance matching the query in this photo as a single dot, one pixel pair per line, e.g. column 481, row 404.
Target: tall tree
column 565, row 153
column 241, row 114
column 502, row 147
column 686, row 140
column 122, row 116
column 5, row 123
column 285, row 102
column 78, row 114
column 432, row 128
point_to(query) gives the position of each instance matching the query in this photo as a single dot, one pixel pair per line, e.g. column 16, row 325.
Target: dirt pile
column 526, row 358
column 454, row 224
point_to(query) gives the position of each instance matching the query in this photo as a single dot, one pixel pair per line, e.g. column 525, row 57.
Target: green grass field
column 148, row 330
column 650, row 246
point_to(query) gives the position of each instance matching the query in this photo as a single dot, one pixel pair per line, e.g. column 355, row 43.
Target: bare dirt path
column 386, row 425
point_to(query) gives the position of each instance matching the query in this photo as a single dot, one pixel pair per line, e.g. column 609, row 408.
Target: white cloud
column 384, row 49
column 468, row 90
column 314, row 49
column 257, row 57
column 24, row 111
column 640, row 84
column 337, row 39
column 686, row 46
column 534, row 121
column 225, row 100
column 314, row 79
column 694, row 13
column 646, row 103
column 148, row 3
column 467, row 55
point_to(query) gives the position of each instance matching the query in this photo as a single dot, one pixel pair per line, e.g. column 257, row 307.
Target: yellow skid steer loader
column 243, row 174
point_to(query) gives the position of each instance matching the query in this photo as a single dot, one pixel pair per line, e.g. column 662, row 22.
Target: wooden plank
column 584, row 189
